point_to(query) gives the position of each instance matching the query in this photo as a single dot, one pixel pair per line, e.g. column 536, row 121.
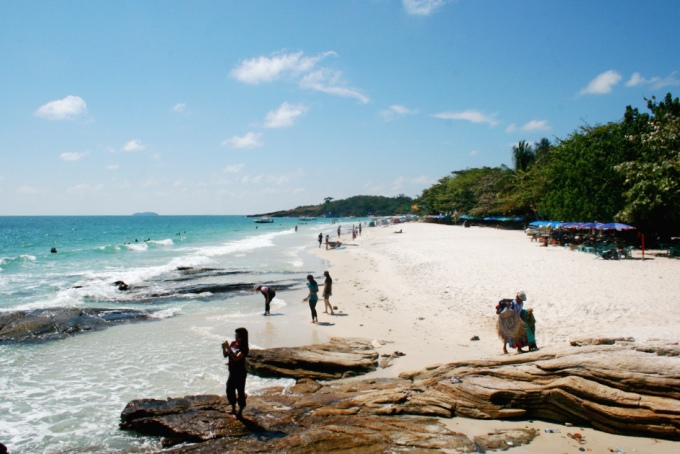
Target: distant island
column 146, row 213
column 361, row 205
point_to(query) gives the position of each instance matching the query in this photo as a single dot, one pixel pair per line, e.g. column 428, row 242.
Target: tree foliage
column 627, row 171
column 360, row 205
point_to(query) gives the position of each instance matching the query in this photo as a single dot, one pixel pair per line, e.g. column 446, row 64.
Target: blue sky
column 240, row 107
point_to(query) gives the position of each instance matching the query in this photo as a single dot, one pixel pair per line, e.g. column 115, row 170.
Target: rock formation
column 339, row 358
column 58, row 323
column 614, row 385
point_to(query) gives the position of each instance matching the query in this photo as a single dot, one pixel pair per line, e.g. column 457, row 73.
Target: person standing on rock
column 312, row 297
column 327, row 292
column 237, row 352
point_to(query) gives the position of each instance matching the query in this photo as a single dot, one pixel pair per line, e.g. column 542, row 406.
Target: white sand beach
column 427, row 291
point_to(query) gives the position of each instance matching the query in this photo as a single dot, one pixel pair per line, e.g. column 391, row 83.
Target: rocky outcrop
column 57, row 323
column 306, row 418
column 619, row 387
column 338, row 358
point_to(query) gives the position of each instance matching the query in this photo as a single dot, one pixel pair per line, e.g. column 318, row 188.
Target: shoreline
column 427, row 291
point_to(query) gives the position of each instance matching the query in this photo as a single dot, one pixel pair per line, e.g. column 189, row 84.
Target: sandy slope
column 427, row 291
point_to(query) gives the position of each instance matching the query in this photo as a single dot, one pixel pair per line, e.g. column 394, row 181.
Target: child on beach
column 312, row 297
column 236, row 383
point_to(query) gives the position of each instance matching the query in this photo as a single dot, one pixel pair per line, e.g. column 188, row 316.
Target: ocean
column 194, row 273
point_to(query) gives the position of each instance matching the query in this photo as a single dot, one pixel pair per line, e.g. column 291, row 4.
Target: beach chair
column 628, row 252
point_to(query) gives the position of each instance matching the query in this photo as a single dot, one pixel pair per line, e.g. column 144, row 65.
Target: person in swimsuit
column 312, row 297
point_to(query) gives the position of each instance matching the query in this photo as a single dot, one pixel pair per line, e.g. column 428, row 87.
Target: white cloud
column 234, row 168
column 284, row 116
column 512, row 127
column 252, row 180
column 656, row 82
column 671, row 80
column 112, row 167
column 84, row 189
column 150, row 182
column 250, row 140
column 298, row 68
column 133, row 145
column 180, row 107
column 423, row 179
column 330, row 82
column 602, row 84
column 536, row 125
column 395, row 111
column 62, row 109
column 268, row 69
column 422, row 7
column 474, row 153
column 29, row 190
column 473, row 116
column 73, row 155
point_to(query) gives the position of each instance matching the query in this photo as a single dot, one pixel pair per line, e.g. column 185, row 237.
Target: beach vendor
column 268, row 294
column 237, row 351
column 512, row 327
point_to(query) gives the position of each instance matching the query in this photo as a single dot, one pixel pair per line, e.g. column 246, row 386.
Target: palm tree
column 523, row 156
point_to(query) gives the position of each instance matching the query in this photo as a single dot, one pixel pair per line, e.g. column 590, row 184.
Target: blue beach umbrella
column 615, row 226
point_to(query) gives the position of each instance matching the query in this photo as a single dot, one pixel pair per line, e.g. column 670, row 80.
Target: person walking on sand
column 312, row 297
column 268, row 294
column 327, row 292
column 326, row 242
column 320, row 239
column 237, row 351
column 338, row 231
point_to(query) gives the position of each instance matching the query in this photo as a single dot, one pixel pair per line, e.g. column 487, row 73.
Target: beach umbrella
column 590, row 225
column 615, row 226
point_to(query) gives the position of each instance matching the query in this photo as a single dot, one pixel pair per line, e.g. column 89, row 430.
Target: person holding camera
column 236, row 383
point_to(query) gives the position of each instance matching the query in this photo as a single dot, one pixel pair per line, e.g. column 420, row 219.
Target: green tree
column 523, row 156
column 652, row 180
column 581, row 181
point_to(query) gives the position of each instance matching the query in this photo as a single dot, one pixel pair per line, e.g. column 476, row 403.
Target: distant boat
column 264, row 220
column 306, row 218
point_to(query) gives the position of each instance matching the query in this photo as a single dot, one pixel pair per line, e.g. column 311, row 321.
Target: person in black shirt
column 237, row 352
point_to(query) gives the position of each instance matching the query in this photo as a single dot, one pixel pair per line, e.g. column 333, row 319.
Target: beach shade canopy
column 591, row 225
column 615, row 226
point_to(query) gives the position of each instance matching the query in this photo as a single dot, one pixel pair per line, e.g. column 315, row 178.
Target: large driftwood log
column 619, row 387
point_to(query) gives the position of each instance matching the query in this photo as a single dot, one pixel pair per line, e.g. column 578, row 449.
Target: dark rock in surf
column 57, row 323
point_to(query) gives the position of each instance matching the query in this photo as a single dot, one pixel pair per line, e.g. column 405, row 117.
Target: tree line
column 626, row 171
column 360, row 206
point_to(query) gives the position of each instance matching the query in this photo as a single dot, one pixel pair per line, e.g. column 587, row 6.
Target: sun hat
column 522, row 296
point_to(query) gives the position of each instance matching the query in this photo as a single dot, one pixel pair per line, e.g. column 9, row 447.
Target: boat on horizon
column 264, row 220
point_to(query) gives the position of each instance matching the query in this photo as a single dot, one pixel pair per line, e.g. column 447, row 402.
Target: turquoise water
column 193, row 272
